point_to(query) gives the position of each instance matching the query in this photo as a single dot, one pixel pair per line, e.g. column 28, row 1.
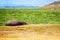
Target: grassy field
column 30, row 15
column 31, row 32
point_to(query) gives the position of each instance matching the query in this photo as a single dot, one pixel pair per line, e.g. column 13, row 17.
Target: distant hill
column 53, row 5
column 22, row 6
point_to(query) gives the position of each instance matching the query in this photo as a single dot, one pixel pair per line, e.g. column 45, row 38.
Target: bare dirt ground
column 31, row 32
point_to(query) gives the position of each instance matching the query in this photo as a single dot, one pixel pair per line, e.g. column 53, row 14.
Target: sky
column 25, row 2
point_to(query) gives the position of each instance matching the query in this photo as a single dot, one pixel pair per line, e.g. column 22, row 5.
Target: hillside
column 53, row 5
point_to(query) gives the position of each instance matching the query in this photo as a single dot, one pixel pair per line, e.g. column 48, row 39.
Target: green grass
column 30, row 15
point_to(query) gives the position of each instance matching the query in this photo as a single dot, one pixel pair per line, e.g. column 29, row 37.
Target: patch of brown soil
column 31, row 32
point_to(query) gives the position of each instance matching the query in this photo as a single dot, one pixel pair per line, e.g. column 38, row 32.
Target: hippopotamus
column 15, row 23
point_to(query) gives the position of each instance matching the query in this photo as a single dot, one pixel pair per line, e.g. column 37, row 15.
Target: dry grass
column 31, row 32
